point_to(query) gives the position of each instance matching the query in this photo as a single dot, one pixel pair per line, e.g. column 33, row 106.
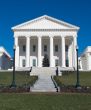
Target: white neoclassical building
column 5, row 59
column 45, row 35
column 85, row 59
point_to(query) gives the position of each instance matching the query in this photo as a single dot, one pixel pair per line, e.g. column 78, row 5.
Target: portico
column 45, row 35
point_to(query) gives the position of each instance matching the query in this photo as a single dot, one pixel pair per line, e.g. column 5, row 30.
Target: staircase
column 43, row 70
column 44, row 84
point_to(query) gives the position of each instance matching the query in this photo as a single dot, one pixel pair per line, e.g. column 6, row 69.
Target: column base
column 63, row 66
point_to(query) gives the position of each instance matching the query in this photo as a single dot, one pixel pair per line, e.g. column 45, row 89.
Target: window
column 56, row 48
column 56, row 62
column 24, row 48
column 66, row 48
column 67, row 63
column 45, row 48
column 34, row 62
column 34, row 48
column 23, row 63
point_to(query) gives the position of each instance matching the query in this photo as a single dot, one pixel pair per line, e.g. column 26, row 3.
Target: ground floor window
column 45, row 48
column 56, row 62
column 23, row 63
column 67, row 63
column 34, row 62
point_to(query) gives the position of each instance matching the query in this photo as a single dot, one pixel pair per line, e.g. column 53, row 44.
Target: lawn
column 21, row 78
column 70, row 78
column 45, row 101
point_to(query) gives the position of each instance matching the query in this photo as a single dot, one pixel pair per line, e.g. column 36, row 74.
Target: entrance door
column 56, row 62
column 23, row 63
column 34, row 62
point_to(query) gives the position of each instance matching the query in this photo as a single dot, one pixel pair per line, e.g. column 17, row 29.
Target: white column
column 27, row 51
column 70, row 53
column 51, row 52
column 74, row 52
column 63, row 51
column 39, row 52
column 16, row 52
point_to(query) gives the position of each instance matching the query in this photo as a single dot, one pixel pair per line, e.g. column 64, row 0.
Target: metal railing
column 55, row 84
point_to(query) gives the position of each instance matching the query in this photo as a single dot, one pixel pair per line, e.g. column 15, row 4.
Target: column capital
column 63, row 36
column 39, row 36
column 75, row 36
column 28, row 36
column 51, row 36
column 16, row 36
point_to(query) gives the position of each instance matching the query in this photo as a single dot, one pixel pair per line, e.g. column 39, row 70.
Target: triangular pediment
column 45, row 22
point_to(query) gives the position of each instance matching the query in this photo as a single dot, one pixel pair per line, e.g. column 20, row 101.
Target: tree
column 45, row 62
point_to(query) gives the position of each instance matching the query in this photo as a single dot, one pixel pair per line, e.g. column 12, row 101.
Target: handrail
column 30, row 70
column 56, row 86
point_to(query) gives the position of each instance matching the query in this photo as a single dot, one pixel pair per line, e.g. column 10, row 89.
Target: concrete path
column 44, row 84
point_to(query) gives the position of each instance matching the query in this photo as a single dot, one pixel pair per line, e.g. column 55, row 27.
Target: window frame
column 23, row 62
column 56, row 62
column 34, row 48
column 24, row 48
column 56, row 48
column 34, row 62
column 45, row 48
column 66, row 48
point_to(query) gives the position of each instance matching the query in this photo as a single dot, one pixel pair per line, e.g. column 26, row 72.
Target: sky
column 14, row 12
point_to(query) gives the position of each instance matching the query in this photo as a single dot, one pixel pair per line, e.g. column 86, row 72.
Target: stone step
column 44, row 84
column 42, row 89
column 41, row 85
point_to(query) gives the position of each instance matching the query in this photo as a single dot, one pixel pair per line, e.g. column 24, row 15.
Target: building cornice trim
column 34, row 30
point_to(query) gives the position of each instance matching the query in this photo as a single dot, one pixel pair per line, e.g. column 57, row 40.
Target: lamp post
column 13, row 81
column 77, row 83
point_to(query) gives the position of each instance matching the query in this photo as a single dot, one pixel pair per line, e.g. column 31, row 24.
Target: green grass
column 45, row 101
column 21, row 78
column 29, row 101
column 70, row 79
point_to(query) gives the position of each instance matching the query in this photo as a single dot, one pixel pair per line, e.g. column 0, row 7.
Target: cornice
column 44, row 30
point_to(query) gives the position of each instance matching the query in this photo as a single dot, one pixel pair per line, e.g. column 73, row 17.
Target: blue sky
column 13, row 12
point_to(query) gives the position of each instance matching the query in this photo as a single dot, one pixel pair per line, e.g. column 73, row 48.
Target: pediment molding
column 45, row 23
column 45, row 30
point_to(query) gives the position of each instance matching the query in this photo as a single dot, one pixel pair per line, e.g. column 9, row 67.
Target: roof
column 45, row 22
column 3, row 50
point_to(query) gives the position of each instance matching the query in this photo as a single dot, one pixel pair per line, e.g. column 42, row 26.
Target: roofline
column 4, row 51
column 48, row 17
column 45, row 30
column 84, row 52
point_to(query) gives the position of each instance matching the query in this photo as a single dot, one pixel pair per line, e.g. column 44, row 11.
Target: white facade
column 85, row 59
column 5, row 59
column 45, row 35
